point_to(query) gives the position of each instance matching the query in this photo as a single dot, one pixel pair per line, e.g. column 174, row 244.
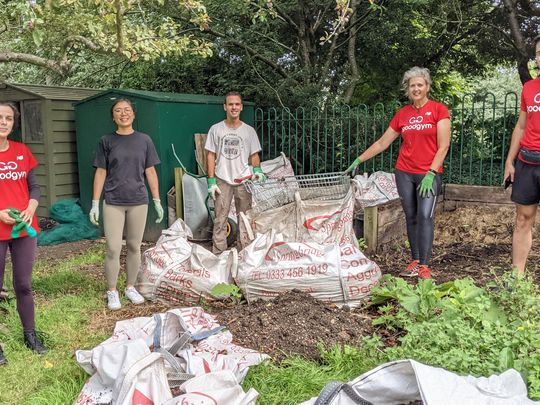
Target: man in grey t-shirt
column 231, row 146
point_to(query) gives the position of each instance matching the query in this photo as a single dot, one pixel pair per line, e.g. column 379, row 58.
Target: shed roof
column 53, row 92
column 163, row 96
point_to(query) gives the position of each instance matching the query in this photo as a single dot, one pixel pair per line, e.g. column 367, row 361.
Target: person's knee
column 114, row 253
column 524, row 221
column 133, row 246
column 22, row 289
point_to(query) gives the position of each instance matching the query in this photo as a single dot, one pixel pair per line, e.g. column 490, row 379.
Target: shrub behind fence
column 323, row 141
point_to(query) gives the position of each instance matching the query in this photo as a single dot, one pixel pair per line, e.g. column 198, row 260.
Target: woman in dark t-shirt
column 123, row 160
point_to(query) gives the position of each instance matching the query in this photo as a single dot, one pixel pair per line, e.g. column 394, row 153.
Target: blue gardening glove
column 354, row 165
column 426, row 186
column 213, row 188
column 20, row 225
column 94, row 213
column 159, row 210
column 258, row 175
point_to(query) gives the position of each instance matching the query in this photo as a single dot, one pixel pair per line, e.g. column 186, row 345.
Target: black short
column 526, row 186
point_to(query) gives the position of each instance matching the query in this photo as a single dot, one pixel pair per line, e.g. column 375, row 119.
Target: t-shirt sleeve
column 101, row 156
column 442, row 112
column 210, row 144
column 32, row 161
column 152, row 157
column 254, row 144
column 394, row 124
column 523, row 105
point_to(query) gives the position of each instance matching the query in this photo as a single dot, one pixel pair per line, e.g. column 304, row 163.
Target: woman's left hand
column 27, row 214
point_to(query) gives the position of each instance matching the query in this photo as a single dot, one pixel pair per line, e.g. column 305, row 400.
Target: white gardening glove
column 159, row 210
column 94, row 213
column 213, row 188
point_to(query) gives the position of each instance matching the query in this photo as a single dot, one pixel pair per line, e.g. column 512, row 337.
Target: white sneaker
column 133, row 295
column 113, row 300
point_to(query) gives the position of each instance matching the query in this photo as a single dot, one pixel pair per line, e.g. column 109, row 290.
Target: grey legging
column 419, row 213
column 114, row 218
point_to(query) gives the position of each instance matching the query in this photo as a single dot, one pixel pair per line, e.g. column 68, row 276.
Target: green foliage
column 362, row 244
column 462, row 328
column 232, row 291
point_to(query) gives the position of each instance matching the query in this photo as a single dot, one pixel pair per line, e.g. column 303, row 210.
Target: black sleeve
column 33, row 186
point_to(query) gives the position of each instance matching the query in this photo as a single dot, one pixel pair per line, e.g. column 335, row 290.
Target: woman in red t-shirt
column 19, row 190
column 424, row 126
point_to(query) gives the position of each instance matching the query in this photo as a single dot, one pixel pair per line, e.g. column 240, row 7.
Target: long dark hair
column 16, row 113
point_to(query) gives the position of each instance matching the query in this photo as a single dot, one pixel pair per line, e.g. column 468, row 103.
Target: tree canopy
column 290, row 52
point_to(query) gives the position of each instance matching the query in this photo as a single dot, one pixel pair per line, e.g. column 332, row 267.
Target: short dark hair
column 230, row 94
column 125, row 100
column 536, row 39
column 16, row 113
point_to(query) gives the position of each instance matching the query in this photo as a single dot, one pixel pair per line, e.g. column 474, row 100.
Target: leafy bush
column 464, row 328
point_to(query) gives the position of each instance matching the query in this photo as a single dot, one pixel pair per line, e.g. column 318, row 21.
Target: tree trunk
column 510, row 7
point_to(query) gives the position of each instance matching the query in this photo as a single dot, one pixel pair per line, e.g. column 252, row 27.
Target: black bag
column 530, row 156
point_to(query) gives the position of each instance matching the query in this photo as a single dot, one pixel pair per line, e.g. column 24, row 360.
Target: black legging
column 419, row 213
column 23, row 251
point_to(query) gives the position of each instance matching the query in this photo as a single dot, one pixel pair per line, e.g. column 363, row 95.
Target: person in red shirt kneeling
column 19, row 195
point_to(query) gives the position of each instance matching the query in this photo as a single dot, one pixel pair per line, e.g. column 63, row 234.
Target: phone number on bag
column 294, row 272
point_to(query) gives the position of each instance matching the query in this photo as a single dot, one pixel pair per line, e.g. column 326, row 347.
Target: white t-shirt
column 233, row 147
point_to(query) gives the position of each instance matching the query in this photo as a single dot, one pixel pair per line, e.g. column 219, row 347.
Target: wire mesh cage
column 277, row 192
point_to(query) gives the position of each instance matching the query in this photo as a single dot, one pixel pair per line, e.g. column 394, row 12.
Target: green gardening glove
column 213, row 188
column 426, row 186
column 20, row 225
column 354, row 165
column 258, row 175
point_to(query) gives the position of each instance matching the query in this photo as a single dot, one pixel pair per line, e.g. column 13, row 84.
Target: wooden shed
column 47, row 126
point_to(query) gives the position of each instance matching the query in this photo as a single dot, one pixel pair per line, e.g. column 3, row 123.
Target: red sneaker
column 411, row 270
column 424, row 272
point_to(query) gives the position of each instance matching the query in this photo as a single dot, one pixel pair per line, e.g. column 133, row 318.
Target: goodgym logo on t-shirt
column 8, row 171
column 415, row 123
column 536, row 107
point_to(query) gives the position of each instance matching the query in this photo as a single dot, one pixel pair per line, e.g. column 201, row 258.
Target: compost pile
column 293, row 324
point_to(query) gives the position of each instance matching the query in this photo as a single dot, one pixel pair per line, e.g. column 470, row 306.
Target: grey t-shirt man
column 233, row 147
column 126, row 157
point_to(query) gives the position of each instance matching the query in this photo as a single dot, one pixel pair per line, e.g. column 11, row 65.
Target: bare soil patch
column 469, row 242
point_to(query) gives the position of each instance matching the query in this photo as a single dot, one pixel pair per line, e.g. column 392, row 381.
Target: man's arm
column 255, row 160
column 211, row 163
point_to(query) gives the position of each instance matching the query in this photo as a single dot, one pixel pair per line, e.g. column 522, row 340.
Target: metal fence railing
column 324, row 141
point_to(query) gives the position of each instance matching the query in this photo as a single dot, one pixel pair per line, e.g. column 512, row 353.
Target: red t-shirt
column 15, row 163
column 530, row 104
column 418, row 129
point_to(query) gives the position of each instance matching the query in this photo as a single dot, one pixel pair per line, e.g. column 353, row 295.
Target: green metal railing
column 322, row 141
